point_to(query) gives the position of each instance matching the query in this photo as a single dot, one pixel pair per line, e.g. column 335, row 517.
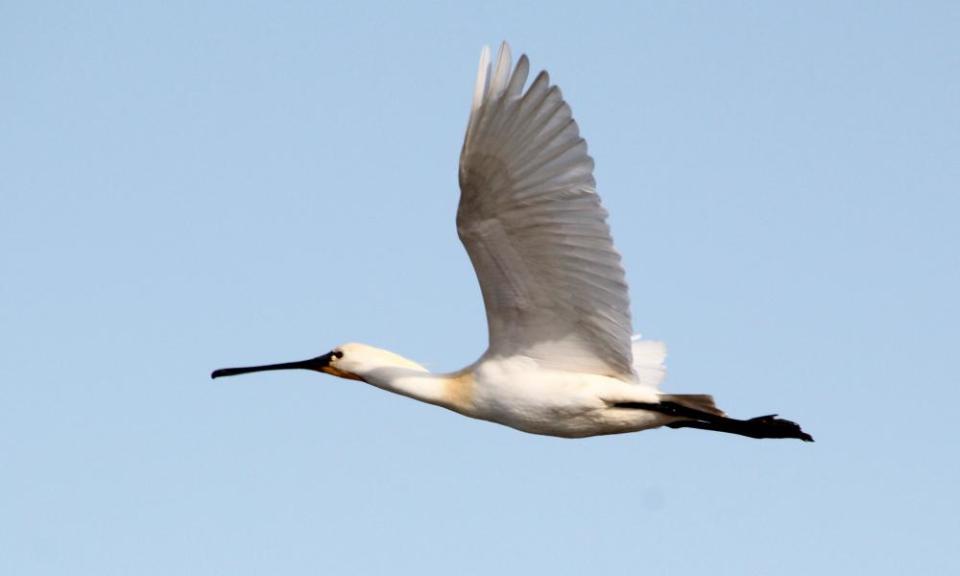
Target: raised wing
column 532, row 223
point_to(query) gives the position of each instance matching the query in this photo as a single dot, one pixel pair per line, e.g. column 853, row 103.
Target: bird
column 561, row 360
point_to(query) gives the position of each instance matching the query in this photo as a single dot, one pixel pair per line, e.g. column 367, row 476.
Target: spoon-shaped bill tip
column 228, row 372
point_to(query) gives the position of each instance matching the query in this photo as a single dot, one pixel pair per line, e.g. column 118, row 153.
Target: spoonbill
column 560, row 359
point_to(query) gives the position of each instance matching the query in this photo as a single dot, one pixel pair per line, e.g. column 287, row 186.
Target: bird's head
column 352, row 361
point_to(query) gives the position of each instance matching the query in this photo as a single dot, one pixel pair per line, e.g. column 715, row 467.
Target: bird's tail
column 698, row 402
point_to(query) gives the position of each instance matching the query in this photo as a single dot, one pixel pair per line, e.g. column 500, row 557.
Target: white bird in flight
column 560, row 360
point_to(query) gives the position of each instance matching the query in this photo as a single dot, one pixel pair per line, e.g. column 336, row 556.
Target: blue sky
column 186, row 186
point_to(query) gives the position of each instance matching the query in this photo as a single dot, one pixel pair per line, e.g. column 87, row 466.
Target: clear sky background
column 186, row 186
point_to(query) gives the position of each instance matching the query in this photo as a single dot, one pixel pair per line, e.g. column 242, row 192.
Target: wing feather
column 533, row 225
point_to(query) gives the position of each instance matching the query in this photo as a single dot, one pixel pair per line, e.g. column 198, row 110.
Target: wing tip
column 494, row 76
column 483, row 74
column 501, row 73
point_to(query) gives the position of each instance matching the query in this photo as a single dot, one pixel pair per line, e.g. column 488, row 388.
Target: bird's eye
column 337, row 354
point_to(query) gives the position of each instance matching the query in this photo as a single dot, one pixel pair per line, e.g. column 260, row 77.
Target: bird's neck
column 449, row 391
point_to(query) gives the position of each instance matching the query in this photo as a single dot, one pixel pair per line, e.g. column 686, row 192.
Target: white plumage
column 560, row 359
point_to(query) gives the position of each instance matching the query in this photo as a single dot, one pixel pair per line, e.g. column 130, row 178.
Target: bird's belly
column 551, row 403
column 537, row 418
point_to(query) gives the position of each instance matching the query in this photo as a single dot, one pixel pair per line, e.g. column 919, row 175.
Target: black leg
column 760, row 427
